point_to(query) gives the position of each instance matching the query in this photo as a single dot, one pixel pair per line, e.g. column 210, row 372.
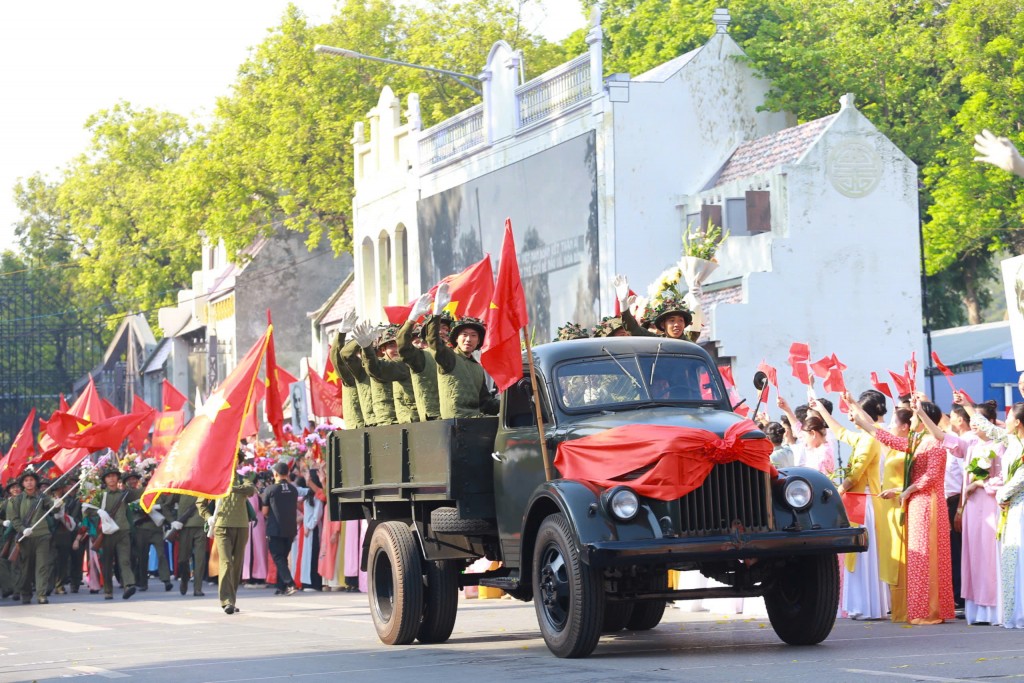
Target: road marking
column 914, row 677
column 56, row 624
column 106, row 673
column 151, row 618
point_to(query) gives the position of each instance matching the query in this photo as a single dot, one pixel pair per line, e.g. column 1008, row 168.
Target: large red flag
column 137, row 439
column 21, row 451
column 202, row 460
column 324, row 396
column 108, row 408
column 173, row 399
column 251, row 427
column 69, row 431
column 285, row 380
column 471, row 290
column 89, row 406
column 275, row 398
column 166, row 427
column 501, row 354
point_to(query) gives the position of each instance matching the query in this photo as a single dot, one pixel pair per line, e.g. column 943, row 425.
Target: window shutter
column 759, row 212
column 712, row 213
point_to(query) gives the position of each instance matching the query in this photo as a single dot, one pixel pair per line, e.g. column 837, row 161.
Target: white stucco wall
column 844, row 274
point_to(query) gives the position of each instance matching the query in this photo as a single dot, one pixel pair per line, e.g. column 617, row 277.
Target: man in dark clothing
column 280, row 506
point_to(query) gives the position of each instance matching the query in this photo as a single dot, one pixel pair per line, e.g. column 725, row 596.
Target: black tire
column 616, row 615
column 646, row 615
column 395, row 583
column 567, row 594
column 440, row 601
column 803, row 603
column 446, row 521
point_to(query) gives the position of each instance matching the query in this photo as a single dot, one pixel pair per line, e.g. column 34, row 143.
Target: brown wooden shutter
column 759, row 212
column 712, row 213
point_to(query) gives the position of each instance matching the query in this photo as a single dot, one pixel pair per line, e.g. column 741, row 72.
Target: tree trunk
column 970, row 299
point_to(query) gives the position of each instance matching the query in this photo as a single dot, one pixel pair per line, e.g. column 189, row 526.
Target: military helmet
column 570, row 331
column 607, row 327
column 473, row 324
column 443, row 318
column 28, row 472
column 670, row 307
column 129, row 473
column 388, row 335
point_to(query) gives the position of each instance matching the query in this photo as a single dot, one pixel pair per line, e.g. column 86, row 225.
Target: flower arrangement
column 90, row 477
column 703, row 243
column 980, row 466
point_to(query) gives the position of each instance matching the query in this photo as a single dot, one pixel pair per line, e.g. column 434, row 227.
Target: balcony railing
column 554, row 92
column 454, row 136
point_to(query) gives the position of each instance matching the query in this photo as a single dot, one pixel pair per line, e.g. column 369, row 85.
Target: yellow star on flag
column 332, row 377
column 451, row 308
column 82, row 426
column 213, row 405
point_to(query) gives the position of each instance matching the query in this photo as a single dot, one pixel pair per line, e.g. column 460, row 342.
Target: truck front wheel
column 802, row 604
column 567, row 593
column 396, row 583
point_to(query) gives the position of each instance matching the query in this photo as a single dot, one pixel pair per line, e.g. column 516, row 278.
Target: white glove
column 57, row 505
column 442, row 298
column 696, row 290
column 363, row 334
column 27, row 532
column 348, row 322
column 999, row 152
column 621, row 285
column 177, row 526
column 156, row 507
column 7, row 522
column 419, row 308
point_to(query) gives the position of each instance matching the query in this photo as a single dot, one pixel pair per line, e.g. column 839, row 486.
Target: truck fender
column 580, row 502
column 826, row 510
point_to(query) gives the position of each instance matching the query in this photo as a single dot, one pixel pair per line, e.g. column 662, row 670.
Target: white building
column 601, row 175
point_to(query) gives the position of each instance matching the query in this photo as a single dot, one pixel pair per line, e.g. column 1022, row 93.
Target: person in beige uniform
column 116, row 544
column 230, row 533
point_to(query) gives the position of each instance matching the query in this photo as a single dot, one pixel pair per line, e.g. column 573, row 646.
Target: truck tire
column 395, row 583
column 567, row 593
column 646, row 615
column 446, row 521
column 440, row 601
column 803, row 603
column 616, row 615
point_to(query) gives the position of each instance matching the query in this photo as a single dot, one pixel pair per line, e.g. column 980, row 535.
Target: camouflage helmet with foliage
column 607, row 327
column 473, row 324
column 570, row 331
column 388, row 335
column 669, row 307
column 443, row 318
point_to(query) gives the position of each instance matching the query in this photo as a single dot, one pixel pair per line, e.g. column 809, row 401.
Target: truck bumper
column 668, row 551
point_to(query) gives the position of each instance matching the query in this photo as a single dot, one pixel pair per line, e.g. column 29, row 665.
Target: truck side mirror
column 760, row 380
column 524, row 385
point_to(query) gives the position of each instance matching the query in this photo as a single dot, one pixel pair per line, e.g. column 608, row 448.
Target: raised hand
column 621, row 285
column 363, row 333
column 999, row 152
column 348, row 322
column 419, row 308
column 442, row 298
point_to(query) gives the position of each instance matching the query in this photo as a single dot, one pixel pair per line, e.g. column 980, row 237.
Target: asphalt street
column 157, row 637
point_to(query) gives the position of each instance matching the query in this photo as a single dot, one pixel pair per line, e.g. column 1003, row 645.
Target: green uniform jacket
column 423, row 370
column 186, row 503
column 350, row 358
column 121, row 515
column 460, row 379
column 636, row 330
column 396, row 375
column 232, row 510
column 354, row 418
column 30, row 509
column 143, row 520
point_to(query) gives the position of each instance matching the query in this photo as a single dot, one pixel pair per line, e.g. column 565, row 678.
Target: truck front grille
column 733, row 492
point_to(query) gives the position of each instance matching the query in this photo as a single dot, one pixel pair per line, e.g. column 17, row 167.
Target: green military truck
column 439, row 495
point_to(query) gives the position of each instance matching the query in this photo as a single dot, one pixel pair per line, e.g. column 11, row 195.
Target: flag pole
column 536, row 405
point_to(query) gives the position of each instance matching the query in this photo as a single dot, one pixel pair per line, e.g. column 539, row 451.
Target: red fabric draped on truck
column 663, row 462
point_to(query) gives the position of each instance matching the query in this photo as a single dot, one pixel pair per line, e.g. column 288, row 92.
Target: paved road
column 329, row 637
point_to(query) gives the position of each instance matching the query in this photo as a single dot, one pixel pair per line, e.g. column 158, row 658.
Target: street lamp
column 342, row 52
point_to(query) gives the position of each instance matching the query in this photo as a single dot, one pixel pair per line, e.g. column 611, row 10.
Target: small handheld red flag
column 799, row 354
column 881, row 386
column 944, row 370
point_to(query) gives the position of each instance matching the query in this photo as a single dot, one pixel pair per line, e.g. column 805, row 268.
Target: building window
column 366, row 259
column 384, row 272
column 736, row 216
column 401, row 264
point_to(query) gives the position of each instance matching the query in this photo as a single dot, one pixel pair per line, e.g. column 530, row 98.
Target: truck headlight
column 621, row 502
column 798, row 493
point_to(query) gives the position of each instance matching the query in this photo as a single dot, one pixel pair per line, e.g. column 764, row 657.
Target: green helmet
column 570, row 331
column 670, row 307
column 388, row 335
column 607, row 327
column 471, row 323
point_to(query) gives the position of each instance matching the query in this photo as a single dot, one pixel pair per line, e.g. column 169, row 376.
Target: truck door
column 519, row 468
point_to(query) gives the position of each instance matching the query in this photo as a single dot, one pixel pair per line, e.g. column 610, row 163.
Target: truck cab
column 593, row 553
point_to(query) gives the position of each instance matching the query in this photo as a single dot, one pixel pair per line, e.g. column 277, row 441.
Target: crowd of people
column 269, row 531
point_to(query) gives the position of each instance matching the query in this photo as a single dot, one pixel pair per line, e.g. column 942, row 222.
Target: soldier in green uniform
column 351, row 361
column 462, row 389
column 385, row 368
column 355, row 411
column 230, row 533
column 10, row 578
column 413, row 351
column 671, row 317
column 29, row 512
column 192, row 537
column 116, row 542
column 149, row 531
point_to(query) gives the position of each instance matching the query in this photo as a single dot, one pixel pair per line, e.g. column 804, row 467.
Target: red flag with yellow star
column 69, row 431
column 88, row 406
column 325, row 393
column 202, row 460
column 470, row 291
column 172, row 398
column 137, row 439
column 21, row 451
column 501, row 354
column 275, row 397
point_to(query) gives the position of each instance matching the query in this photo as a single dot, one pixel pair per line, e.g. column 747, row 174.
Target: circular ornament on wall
column 854, row 168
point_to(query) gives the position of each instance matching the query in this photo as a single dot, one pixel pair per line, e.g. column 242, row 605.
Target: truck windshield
column 615, row 382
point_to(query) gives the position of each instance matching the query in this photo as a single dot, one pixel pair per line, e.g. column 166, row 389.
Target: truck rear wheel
column 567, row 593
column 440, row 601
column 396, row 583
column 616, row 615
column 803, row 603
column 646, row 615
